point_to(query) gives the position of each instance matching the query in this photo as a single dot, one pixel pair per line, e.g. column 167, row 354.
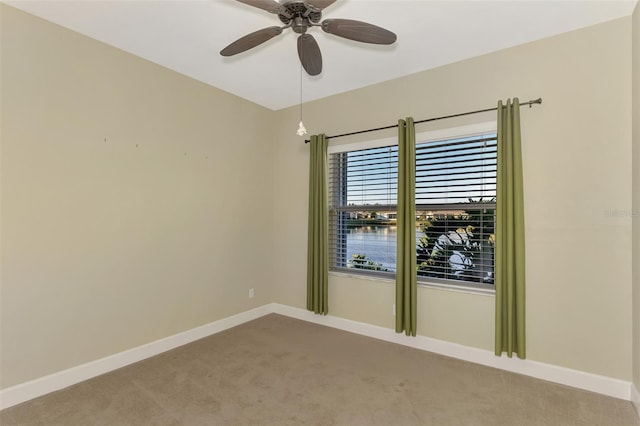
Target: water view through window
column 377, row 243
column 453, row 245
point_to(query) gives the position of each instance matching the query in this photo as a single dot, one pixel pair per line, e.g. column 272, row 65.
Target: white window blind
column 455, row 205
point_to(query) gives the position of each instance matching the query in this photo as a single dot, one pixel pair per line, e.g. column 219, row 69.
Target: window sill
column 363, row 277
column 458, row 288
column 438, row 286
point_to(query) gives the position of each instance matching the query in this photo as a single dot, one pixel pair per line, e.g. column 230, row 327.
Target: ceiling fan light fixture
column 301, row 129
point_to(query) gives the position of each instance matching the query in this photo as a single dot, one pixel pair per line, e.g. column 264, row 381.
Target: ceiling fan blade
column 270, row 6
column 358, row 31
column 320, row 4
column 309, row 54
column 250, row 41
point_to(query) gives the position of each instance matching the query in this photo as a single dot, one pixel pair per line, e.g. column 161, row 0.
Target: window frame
column 462, row 131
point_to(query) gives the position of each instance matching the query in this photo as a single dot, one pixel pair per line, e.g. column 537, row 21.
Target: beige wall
column 110, row 245
column 577, row 161
column 636, row 196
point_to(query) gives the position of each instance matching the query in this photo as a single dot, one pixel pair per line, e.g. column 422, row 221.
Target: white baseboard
column 578, row 379
column 574, row 378
column 25, row 391
column 635, row 398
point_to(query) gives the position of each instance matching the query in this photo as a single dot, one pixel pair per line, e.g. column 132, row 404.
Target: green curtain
column 318, row 240
column 406, row 271
column 509, row 249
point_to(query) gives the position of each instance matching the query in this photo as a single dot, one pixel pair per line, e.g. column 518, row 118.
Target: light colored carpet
column 281, row 371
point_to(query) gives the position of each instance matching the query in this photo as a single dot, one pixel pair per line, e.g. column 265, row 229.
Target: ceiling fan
column 300, row 15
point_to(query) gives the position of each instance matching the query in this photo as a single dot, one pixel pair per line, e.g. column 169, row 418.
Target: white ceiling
column 186, row 36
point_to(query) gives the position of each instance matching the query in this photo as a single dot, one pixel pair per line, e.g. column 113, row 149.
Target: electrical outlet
column 251, row 293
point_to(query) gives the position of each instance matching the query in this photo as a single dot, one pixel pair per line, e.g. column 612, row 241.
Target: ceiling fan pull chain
column 301, row 129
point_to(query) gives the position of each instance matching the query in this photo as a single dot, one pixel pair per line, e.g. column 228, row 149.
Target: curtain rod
column 530, row 103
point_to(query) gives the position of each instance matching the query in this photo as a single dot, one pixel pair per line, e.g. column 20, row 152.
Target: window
column 455, row 209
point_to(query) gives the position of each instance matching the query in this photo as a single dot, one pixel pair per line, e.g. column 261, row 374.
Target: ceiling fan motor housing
column 294, row 9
